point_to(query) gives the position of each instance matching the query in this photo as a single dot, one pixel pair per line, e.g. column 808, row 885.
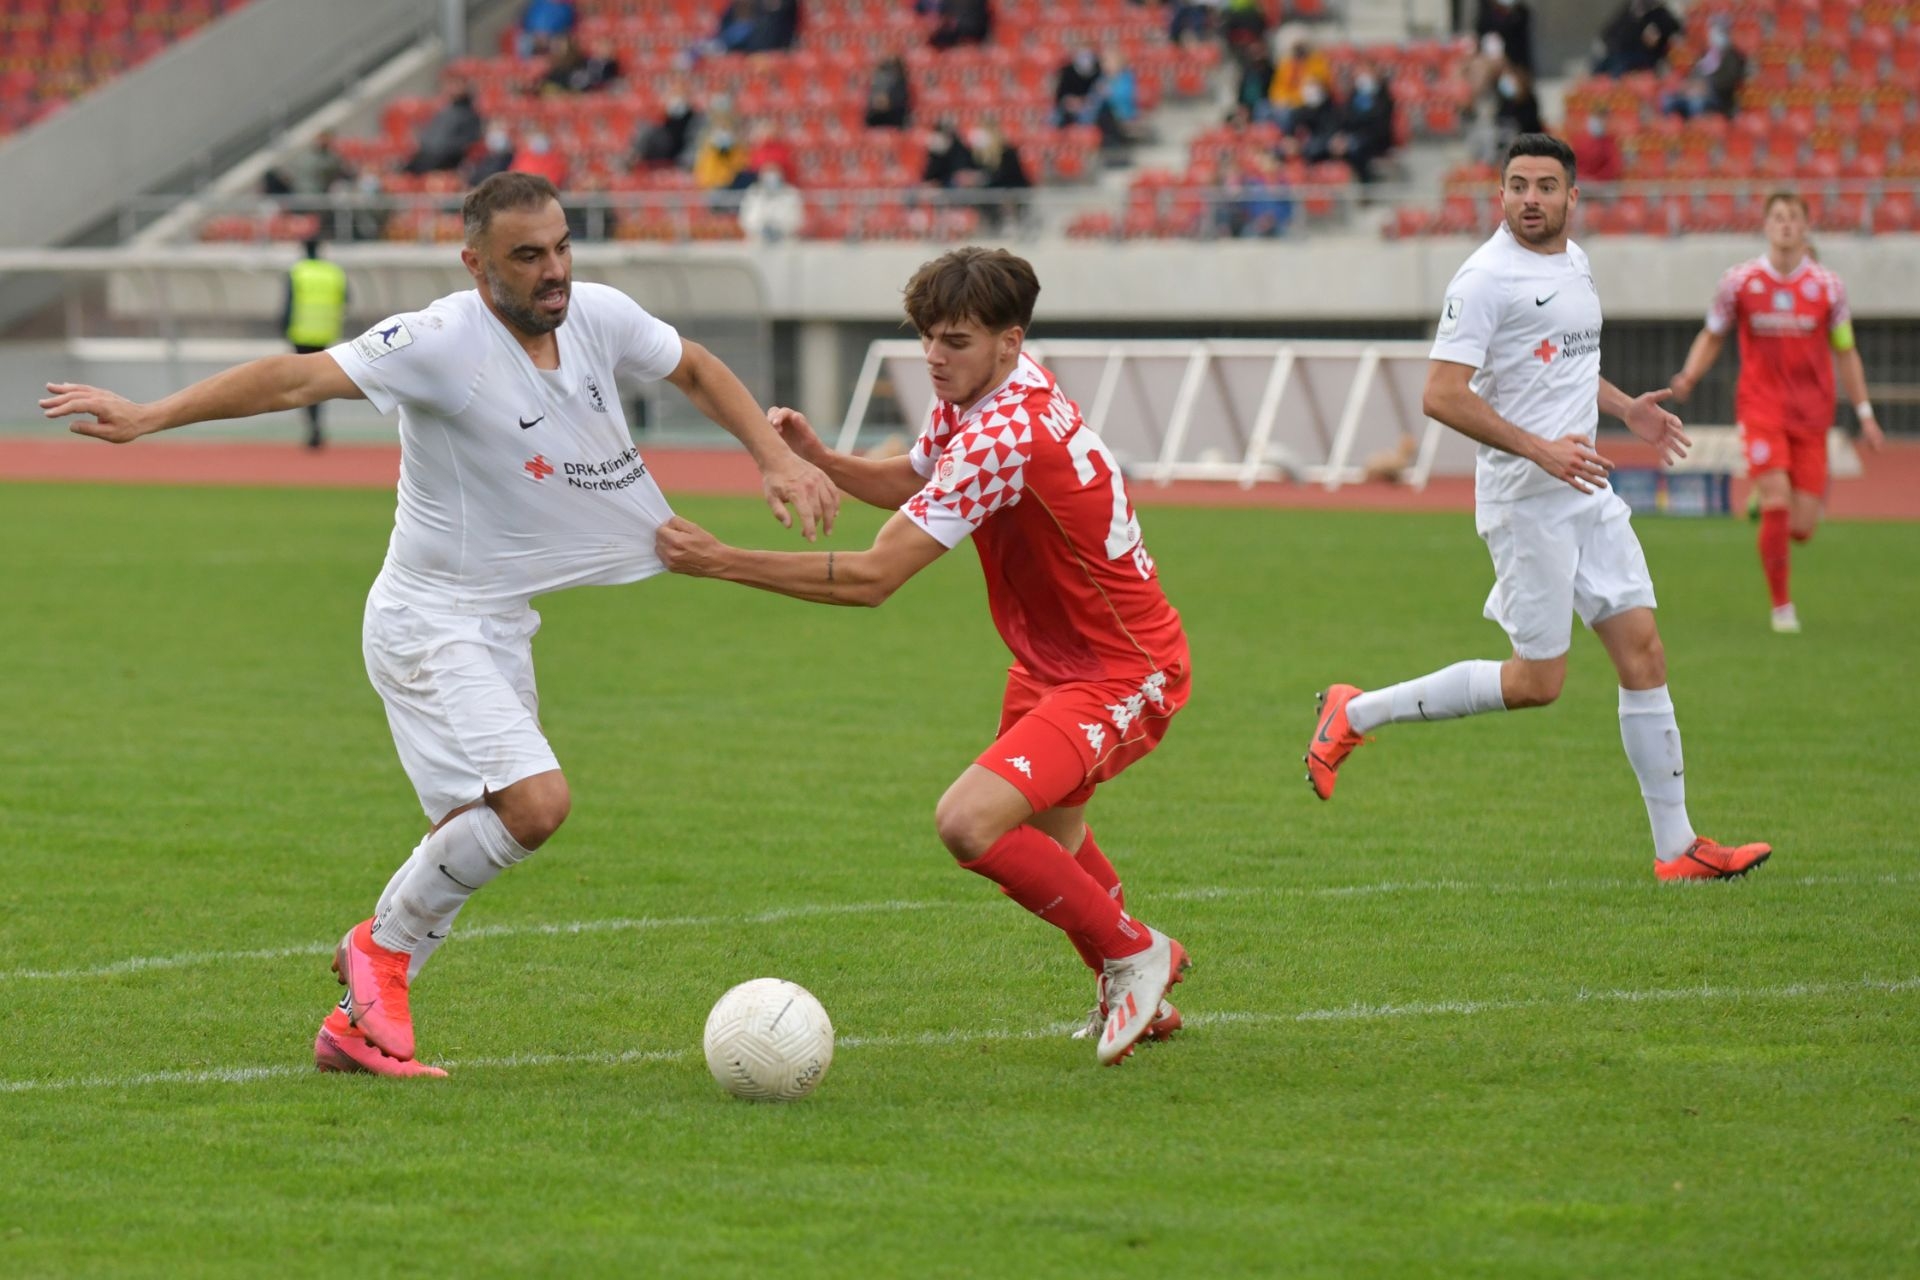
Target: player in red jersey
column 1794, row 327
column 1100, row 658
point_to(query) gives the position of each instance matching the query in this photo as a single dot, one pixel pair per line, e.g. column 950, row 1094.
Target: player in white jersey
column 517, row 477
column 1516, row 366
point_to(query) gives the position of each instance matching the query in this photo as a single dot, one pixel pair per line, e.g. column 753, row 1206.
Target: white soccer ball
column 769, row 1039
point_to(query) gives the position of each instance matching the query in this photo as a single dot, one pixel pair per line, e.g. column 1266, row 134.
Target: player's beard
column 1550, row 227
column 520, row 310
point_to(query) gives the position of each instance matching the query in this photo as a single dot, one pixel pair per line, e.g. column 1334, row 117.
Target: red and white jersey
column 1786, row 328
column 1072, row 589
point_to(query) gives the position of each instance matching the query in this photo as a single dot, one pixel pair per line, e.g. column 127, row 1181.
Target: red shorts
column 1059, row 741
column 1801, row 452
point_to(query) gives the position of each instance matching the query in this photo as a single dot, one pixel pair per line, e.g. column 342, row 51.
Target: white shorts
column 1557, row 554
column 460, row 699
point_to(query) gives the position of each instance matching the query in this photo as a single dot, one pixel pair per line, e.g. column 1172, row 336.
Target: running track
column 1890, row 489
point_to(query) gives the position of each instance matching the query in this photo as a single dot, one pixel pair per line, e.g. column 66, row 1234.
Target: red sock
column 1095, row 864
column 1033, row 870
column 1775, row 553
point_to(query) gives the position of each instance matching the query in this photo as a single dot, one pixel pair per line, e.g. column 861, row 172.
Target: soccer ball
column 769, row 1039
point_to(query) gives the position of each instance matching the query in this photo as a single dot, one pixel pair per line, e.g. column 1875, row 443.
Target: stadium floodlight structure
column 1234, row 410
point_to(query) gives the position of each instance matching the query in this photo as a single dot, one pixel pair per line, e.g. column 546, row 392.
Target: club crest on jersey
column 594, row 398
column 944, row 473
column 1810, row 289
column 1783, row 299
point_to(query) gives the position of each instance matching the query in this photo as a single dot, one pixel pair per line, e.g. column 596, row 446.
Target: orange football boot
column 1333, row 739
column 340, row 1046
column 1708, row 860
column 376, row 983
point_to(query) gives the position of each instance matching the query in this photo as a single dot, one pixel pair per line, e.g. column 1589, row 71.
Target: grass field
column 1446, row 1025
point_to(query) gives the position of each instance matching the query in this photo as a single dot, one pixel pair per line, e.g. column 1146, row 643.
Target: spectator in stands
column 776, row 26
column 542, row 22
column 1517, row 111
column 369, row 218
column 1122, row 86
column 1302, row 65
column 1713, row 83
column 1512, row 21
column 1316, row 121
column 1596, row 156
column 447, row 136
column 1244, row 22
column 542, row 158
column 766, row 149
column 1079, row 90
column 1258, row 202
column 948, row 159
column 1636, row 38
column 1365, row 131
column 664, row 142
column 1193, row 20
column 1003, row 170
column 1256, row 79
column 739, row 20
column 718, row 161
column 771, row 211
column 571, row 70
column 961, row 22
column 313, row 170
column 497, row 158
column 889, row 95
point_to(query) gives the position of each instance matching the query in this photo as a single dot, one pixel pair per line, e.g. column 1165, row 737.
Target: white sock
column 1463, row 689
column 1652, row 739
column 424, row 896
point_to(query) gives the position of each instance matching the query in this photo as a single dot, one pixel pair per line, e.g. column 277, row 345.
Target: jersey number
column 1123, row 530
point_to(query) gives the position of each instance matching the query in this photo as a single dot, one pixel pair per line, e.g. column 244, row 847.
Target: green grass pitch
column 1445, row 1025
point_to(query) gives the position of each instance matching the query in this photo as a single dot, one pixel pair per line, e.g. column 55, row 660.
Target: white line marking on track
column 194, row 959
column 1343, row 1013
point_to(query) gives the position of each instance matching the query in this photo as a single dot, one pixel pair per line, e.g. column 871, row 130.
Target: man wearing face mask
column 1366, row 123
column 1713, row 83
column 771, row 211
column 1515, row 111
column 1286, row 91
column 518, row 477
column 1636, row 38
column 542, row 160
column 497, row 158
column 1596, row 154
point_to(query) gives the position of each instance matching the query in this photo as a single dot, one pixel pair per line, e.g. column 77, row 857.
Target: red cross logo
column 1546, row 351
column 539, row 468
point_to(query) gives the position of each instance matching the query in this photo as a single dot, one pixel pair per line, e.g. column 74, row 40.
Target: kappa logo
column 538, row 467
column 1096, row 735
column 1022, row 764
column 594, row 398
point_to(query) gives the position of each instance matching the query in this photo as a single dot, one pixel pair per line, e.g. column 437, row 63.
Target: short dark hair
column 501, row 192
column 991, row 286
column 1788, row 197
column 1540, row 144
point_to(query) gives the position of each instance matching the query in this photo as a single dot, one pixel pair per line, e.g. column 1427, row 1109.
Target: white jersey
column 1530, row 324
column 514, row 481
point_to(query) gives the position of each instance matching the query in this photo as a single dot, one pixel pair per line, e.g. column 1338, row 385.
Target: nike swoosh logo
column 457, row 880
column 525, row 425
column 437, row 937
column 1541, row 302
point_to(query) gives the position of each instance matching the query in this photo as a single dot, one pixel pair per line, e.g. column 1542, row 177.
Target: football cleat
column 376, row 983
column 1136, row 986
column 341, row 1047
column 1785, row 620
column 1707, row 860
column 1166, row 1020
column 1333, row 739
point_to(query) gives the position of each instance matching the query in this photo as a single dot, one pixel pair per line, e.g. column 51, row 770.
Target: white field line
column 921, row 1039
column 194, row 959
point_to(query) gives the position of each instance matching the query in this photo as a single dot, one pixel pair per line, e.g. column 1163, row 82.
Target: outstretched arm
column 1646, row 419
column 1449, row 399
column 1700, row 357
column 866, row 578
column 878, row 482
column 714, row 390
column 267, row 385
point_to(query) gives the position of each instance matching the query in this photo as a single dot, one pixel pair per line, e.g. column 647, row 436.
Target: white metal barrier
column 1238, row 410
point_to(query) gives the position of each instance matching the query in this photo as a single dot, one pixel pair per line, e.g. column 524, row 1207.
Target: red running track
column 1890, row 489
